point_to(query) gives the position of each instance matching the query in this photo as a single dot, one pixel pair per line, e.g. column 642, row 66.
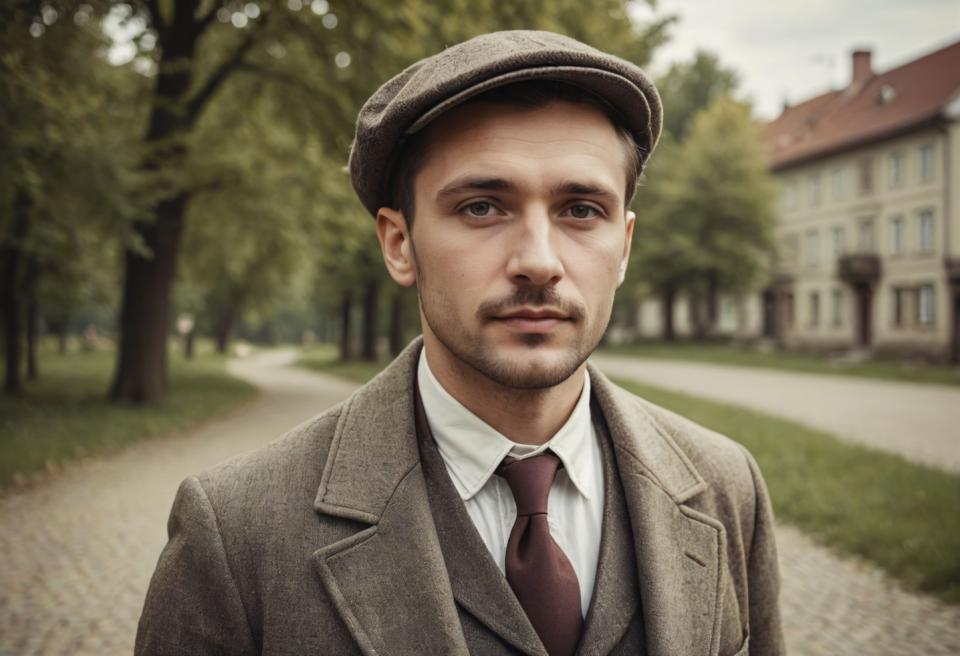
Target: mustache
column 530, row 296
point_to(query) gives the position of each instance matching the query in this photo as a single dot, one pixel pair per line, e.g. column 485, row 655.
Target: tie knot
column 530, row 480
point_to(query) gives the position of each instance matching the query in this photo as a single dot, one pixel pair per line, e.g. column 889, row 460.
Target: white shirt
column 472, row 450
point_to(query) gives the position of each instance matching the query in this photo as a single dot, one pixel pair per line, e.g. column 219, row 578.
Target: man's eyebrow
column 461, row 185
column 574, row 188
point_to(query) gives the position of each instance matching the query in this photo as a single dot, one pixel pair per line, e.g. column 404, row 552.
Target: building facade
column 869, row 219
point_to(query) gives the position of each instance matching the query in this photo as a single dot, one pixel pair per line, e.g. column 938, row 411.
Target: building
column 869, row 228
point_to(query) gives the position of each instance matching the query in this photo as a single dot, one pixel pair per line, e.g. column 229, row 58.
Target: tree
column 710, row 225
column 663, row 260
column 689, row 87
column 179, row 98
column 64, row 180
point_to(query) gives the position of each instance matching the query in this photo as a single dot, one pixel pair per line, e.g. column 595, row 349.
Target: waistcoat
column 492, row 619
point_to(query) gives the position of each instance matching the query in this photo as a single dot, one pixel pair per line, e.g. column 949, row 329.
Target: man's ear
column 631, row 221
column 397, row 246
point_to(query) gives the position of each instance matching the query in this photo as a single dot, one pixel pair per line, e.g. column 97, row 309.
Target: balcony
column 952, row 265
column 859, row 268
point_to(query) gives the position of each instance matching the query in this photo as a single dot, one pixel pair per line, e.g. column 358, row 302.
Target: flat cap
column 432, row 86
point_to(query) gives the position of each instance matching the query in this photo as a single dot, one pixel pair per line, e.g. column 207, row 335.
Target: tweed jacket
column 323, row 542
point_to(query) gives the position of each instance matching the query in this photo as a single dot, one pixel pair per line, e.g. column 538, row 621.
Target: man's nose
column 533, row 257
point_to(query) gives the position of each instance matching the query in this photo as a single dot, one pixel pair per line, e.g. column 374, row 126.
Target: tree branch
column 204, row 21
column 199, row 100
column 156, row 18
column 282, row 77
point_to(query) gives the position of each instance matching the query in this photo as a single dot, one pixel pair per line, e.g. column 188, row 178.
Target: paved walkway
column 918, row 421
column 78, row 550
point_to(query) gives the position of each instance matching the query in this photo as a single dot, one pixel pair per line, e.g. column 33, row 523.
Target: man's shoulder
column 725, row 465
column 288, row 465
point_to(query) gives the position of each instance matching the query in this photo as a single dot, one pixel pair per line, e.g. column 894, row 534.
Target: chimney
column 862, row 67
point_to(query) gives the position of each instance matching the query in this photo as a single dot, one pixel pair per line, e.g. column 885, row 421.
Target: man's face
column 520, row 238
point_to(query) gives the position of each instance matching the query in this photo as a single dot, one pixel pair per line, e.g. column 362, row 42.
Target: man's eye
column 583, row 211
column 479, row 209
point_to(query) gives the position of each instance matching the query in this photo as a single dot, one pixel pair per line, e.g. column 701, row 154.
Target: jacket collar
column 363, row 469
column 373, row 475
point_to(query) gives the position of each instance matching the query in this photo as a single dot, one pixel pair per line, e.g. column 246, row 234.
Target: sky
column 795, row 50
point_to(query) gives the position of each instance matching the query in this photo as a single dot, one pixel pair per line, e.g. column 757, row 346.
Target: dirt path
column 917, row 421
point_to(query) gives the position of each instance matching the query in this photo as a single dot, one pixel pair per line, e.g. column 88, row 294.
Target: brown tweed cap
column 431, row 86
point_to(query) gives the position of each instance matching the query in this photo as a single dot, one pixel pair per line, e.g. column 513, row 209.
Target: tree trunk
column 188, row 344
column 346, row 333
column 141, row 375
column 396, row 324
column 668, row 298
column 697, row 316
column 32, row 312
column 713, row 302
column 224, row 329
column 141, row 372
column 371, row 297
column 11, row 295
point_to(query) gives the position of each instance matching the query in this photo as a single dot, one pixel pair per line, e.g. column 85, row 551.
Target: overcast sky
column 795, row 50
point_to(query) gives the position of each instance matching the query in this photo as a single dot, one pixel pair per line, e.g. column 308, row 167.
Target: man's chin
column 523, row 368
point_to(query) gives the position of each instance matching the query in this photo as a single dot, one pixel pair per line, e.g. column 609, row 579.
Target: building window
column 839, row 241
column 837, row 307
column 790, row 196
column 791, row 249
column 812, row 247
column 814, row 309
column 926, row 231
column 837, row 184
column 926, row 163
column 900, row 295
column 896, row 235
column 865, row 166
column 866, row 241
column 926, row 312
column 895, row 169
column 813, row 186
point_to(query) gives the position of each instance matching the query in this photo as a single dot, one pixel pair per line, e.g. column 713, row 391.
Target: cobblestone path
column 79, row 549
column 917, row 421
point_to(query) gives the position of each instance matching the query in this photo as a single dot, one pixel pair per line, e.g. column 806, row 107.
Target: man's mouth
column 533, row 320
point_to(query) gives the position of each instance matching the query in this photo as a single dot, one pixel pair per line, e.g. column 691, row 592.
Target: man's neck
column 526, row 416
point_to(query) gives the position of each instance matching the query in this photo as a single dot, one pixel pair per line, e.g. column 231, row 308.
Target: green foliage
column 66, row 122
column 689, row 87
column 705, row 219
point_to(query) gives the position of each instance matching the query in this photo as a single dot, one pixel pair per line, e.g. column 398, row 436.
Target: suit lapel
column 615, row 596
column 679, row 550
column 477, row 583
column 387, row 580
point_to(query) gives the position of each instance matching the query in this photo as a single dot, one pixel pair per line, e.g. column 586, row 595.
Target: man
column 489, row 492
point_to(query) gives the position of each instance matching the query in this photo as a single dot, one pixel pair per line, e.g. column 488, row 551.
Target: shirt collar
column 472, row 449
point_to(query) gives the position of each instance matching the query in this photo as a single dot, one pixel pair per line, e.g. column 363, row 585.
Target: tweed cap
column 432, row 86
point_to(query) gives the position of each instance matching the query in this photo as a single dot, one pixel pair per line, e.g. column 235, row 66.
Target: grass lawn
column 899, row 515
column 65, row 415
column 323, row 358
column 905, row 370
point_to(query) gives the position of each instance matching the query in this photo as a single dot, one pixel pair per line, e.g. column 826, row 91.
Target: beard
column 541, row 364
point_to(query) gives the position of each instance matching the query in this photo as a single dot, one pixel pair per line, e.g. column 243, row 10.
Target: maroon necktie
column 537, row 569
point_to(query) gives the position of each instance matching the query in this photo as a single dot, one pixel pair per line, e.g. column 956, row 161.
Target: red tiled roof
column 837, row 120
